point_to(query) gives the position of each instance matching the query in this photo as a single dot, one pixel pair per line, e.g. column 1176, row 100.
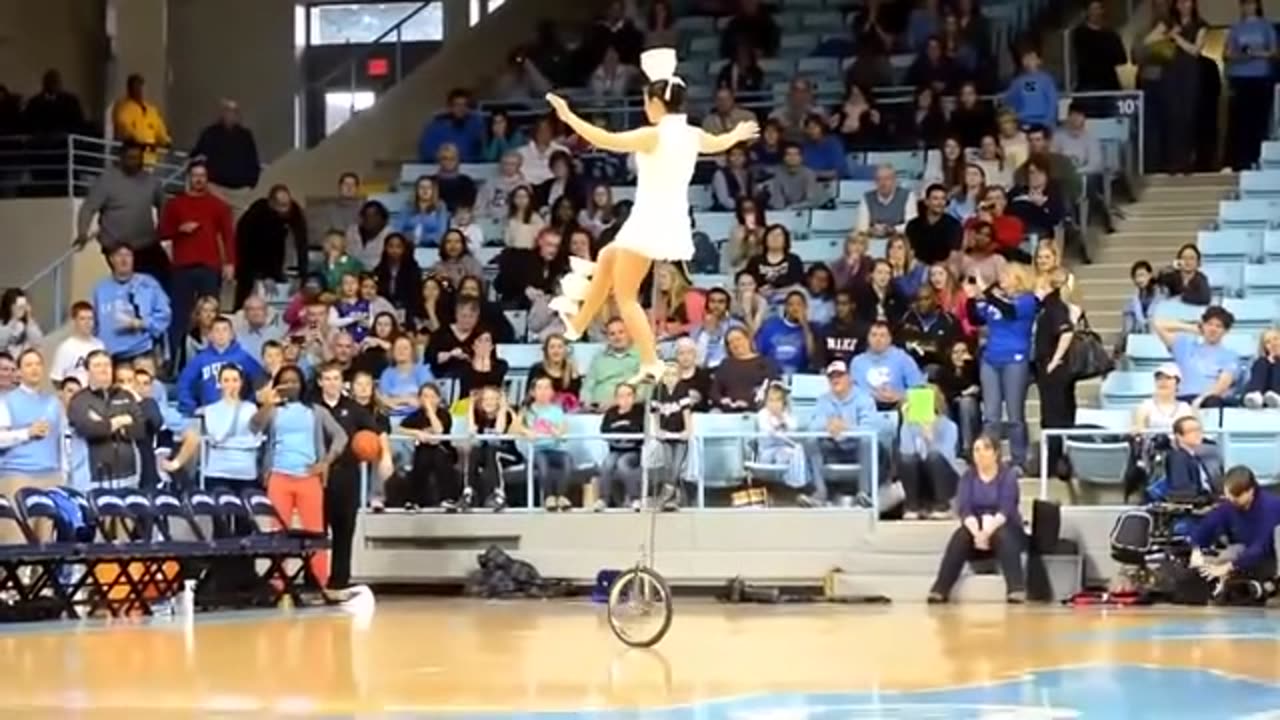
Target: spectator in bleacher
column 884, row 370
column 256, row 324
column 742, row 74
column 398, row 274
column 660, row 25
column 819, row 283
column 1033, row 94
column 335, row 261
column 228, row 150
column 1005, row 231
column 956, row 48
column 672, row 407
column 879, row 299
column 340, row 351
column 132, row 311
column 1062, row 169
column 936, row 235
column 430, row 310
column 491, row 316
column 1184, row 280
column 888, row 208
column 19, row 330
column 581, row 243
column 1013, row 146
column 34, row 453
column 613, row 30
column 1182, row 79
column 924, row 22
column 751, row 26
column 958, row 380
column 746, row 237
column 964, row 204
column 972, row 118
column 614, row 364
column 400, row 382
column 502, row 138
column 1048, row 262
column 365, row 240
column 524, row 224
column 310, row 291
column 1079, row 145
column 1054, row 329
column 1208, row 367
column 598, row 215
column 766, row 154
column 433, row 476
column 557, row 365
column 563, row 183
column 8, row 373
column 1163, row 408
column 906, row 272
column 776, row 269
column 869, row 30
column 925, row 123
column 490, row 415
column 550, row 55
column 1250, row 48
column 1263, row 389
column 53, row 110
column 950, row 297
column 493, row 198
column 736, row 381
column 927, row 463
column 842, row 409
column 788, row 338
column 995, row 170
column 982, row 259
column 455, row 188
column 709, row 336
column 857, row 120
column 459, row 126
column 853, row 267
column 427, row 217
column 198, row 226
column 775, row 421
column 1007, row 309
column 846, row 334
column 973, row 26
column 1039, row 203
column 612, row 79
column 932, row 69
column 726, row 113
column 749, row 306
column 622, row 461
column 693, row 378
column 375, row 349
column 798, row 107
column 677, row 307
column 137, row 121
column 927, row 331
column 733, row 182
column 1136, row 315
column 369, row 293
column 536, row 155
column 230, row 460
column 526, row 277
column 70, row 359
column 794, row 186
column 260, row 241
column 946, row 168
column 109, row 419
column 1192, row 465
column 1098, row 51
column 456, row 260
column 343, row 211
column 124, row 199
column 199, row 383
column 563, row 216
column 822, row 153
column 987, row 502
column 349, row 311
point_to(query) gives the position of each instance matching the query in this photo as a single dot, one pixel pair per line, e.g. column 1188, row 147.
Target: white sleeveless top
column 659, row 225
column 1162, row 418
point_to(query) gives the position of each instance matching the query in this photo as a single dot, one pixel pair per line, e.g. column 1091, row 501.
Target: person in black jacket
column 229, row 150
column 260, row 238
column 1185, row 280
column 1050, row 342
column 110, row 420
column 399, row 276
column 879, row 299
column 522, row 273
column 958, row 381
column 1192, row 465
column 751, row 26
column 972, row 118
column 433, row 477
column 927, row 332
column 846, row 334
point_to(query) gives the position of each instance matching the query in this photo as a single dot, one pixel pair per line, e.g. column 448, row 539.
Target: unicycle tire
column 640, row 579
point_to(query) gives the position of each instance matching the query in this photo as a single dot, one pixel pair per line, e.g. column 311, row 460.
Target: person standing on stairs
column 1250, row 51
column 1057, row 388
column 123, row 199
column 1182, row 78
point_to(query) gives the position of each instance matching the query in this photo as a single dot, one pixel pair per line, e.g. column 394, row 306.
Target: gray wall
column 36, row 35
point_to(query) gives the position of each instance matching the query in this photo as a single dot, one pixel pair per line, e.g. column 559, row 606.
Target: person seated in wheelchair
column 1247, row 517
column 1193, row 468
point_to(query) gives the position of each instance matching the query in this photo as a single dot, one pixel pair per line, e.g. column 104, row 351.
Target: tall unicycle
column 639, row 604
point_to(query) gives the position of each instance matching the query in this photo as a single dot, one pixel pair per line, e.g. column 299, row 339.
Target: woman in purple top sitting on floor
column 987, row 504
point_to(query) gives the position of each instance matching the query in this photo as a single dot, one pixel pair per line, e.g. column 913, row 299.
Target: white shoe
column 648, row 374
column 581, row 266
column 566, row 308
column 574, row 287
column 1271, row 399
column 1253, row 400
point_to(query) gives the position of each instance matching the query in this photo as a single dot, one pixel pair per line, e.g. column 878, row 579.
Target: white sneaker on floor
column 1253, row 401
column 566, row 308
column 581, row 266
column 1271, row 399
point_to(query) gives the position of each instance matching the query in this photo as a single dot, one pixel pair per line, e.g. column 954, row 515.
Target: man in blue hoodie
column 458, row 126
column 198, row 384
column 885, row 370
column 844, row 409
column 1248, row 518
column 1033, row 94
column 131, row 310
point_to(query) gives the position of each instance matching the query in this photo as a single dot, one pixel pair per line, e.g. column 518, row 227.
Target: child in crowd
column 622, row 463
column 958, row 381
column 432, row 477
column 490, row 415
column 464, row 221
column 1033, row 94
column 673, row 419
column 775, row 448
column 1264, row 377
column 336, row 262
column 1136, row 316
column 544, row 420
column 351, row 312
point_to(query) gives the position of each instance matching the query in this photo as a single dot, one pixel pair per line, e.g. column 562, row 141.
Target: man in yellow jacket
column 137, row 120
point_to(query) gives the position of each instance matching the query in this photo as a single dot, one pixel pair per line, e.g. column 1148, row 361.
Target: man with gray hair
column 888, row 208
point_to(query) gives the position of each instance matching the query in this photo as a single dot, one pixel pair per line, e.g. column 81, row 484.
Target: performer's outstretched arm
column 709, row 144
column 638, row 140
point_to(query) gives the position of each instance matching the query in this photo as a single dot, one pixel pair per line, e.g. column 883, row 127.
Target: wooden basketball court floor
column 468, row 659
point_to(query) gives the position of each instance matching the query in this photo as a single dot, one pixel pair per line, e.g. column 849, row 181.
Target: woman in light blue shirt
column 427, row 218
column 1249, row 53
column 544, row 420
column 400, row 382
column 230, row 460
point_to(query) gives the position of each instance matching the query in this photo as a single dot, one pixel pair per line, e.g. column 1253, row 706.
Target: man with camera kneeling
column 1248, row 517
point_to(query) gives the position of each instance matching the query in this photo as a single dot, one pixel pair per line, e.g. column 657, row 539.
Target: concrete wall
column 39, row 232
column 36, row 35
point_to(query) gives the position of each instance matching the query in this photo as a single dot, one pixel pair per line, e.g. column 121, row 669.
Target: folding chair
column 120, row 562
column 276, row 542
column 27, row 569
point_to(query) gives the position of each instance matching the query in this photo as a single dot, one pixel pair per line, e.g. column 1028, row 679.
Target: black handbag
column 1087, row 356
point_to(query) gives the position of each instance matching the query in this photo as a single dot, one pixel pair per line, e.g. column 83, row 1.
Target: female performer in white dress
column 658, row 227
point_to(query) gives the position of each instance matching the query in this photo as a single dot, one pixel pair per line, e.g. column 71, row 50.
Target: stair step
column 971, row 589
column 1193, row 181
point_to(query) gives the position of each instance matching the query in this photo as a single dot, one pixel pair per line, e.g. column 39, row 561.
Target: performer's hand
column 746, row 131
column 559, row 105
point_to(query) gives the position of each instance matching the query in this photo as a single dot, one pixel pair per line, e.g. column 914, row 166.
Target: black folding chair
column 274, row 541
column 16, row 561
column 124, row 519
column 49, row 559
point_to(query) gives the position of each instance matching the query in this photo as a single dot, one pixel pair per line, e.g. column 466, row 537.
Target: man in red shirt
column 198, row 226
column 1009, row 230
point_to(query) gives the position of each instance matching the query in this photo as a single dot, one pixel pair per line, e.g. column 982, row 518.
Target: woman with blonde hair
column 1263, row 389
column 907, row 272
column 1007, row 309
column 1048, row 262
column 557, row 363
column 678, row 307
column 202, row 317
column 1013, row 142
column 854, row 265
column 748, row 305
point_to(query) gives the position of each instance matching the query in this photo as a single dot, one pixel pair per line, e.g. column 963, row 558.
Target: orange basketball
column 366, row 446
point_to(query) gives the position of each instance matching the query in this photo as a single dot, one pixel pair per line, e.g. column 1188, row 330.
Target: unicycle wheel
column 640, row 607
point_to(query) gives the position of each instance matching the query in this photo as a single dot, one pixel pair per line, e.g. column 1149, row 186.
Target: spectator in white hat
column 1163, row 408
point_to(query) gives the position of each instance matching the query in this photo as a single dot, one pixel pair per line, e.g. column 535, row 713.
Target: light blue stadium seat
column 520, row 356
column 1261, row 280
column 1271, row 246
column 878, row 247
column 514, row 387
column 1270, row 158
column 817, row 251
column 722, row 458
column 694, row 25
column 822, row 20
column 480, row 172
column 485, row 255
column 708, row 281
column 692, row 68
column 583, row 353
column 778, row 69
column 1146, row 352
column 1260, row 184
column 1126, row 388
column 829, row 224
column 852, row 192
column 586, row 454
column 492, row 228
column 1251, row 213
column 908, row 163
column 1230, row 245
column 393, row 201
column 519, row 320
column 1100, row 463
column 1178, row 310
column 798, row 45
column 717, row 225
column 1225, row 279
column 818, row 67
column 796, row 221
column 1241, row 342
column 704, row 46
column 699, row 197
column 807, row 388
column 1254, row 440
column 1252, row 313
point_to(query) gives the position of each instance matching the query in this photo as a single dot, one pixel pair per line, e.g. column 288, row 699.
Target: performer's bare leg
column 629, row 271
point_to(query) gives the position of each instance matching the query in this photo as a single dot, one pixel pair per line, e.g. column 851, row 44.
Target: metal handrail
column 351, row 62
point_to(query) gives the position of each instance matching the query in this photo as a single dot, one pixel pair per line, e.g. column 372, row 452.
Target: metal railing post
column 399, row 55
column 71, row 166
column 875, row 479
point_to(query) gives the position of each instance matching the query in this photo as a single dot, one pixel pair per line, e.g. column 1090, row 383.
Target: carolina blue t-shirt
column 294, row 448
column 1200, row 363
column 893, row 369
column 1255, row 34
column 395, row 382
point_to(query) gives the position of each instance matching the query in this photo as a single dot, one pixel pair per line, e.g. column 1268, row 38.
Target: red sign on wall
column 377, row 67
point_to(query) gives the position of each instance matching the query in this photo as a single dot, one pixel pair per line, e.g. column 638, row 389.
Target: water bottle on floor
column 187, row 598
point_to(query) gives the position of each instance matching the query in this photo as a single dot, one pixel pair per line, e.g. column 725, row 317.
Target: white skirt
column 656, row 238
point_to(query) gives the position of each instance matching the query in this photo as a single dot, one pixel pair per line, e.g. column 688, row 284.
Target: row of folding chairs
column 128, row 550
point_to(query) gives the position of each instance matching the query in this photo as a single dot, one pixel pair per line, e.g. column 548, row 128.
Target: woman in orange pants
column 302, row 440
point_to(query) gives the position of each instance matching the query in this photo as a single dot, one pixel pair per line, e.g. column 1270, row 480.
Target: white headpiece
column 660, row 64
